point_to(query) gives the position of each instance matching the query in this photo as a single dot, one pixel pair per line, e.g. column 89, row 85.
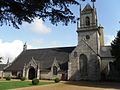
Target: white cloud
column 11, row 49
column 39, row 27
column 108, row 39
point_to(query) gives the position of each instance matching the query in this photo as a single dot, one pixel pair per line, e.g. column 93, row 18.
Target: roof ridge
column 51, row 48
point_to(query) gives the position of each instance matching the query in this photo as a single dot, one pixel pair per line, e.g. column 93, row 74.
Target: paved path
column 75, row 86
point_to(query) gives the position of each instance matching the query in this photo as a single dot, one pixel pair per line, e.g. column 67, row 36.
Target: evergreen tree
column 115, row 51
column 16, row 11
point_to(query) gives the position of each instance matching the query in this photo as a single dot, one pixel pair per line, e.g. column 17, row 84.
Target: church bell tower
column 84, row 59
column 89, row 31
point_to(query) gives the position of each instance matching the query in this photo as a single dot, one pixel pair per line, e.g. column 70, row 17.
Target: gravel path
column 75, row 86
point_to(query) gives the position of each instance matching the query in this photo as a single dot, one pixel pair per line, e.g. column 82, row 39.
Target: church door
column 32, row 73
column 83, row 65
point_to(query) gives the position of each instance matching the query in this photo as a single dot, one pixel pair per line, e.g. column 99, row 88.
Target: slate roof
column 2, row 66
column 43, row 56
column 106, row 52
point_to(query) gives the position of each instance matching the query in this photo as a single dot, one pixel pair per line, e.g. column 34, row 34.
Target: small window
column 87, row 20
column 54, row 70
column 75, row 54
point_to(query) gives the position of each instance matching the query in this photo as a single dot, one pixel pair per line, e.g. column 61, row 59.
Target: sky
column 45, row 35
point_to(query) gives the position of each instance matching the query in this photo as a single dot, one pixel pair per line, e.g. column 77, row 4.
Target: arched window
column 83, row 64
column 87, row 20
column 54, row 70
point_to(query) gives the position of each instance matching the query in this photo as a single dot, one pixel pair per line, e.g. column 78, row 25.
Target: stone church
column 86, row 61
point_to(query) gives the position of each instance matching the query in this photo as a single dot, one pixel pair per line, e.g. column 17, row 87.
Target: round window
column 87, row 37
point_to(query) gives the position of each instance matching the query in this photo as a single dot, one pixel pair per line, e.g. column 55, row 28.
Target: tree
column 15, row 12
column 115, row 45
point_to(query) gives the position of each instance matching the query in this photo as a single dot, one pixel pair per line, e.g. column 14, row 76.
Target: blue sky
column 43, row 34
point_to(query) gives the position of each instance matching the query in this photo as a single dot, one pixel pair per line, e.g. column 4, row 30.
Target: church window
column 75, row 54
column 87, row 37
column 83, row 64
column 87, row 20
column 54, row 70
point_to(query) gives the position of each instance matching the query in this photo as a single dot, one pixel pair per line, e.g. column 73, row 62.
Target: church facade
column 86, row 61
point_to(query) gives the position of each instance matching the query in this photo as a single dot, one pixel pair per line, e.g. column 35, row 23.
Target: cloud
column 108, row 39
column 39, row 27
column 11, row 49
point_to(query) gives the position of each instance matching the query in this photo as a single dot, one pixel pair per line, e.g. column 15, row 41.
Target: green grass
column 5, row 85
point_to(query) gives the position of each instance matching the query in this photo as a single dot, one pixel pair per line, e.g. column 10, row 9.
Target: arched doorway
column 83, row 65
column 54, row 70
column 32, row 73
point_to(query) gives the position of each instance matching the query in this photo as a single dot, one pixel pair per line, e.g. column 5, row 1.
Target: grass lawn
column 5, row 85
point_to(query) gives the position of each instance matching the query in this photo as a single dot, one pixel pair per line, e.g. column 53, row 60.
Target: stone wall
column 49, row 76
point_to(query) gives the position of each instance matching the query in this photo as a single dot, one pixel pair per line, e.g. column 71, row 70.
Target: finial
column 93, row 5
column 93, row 1
column 80, row 7
column 25, row 47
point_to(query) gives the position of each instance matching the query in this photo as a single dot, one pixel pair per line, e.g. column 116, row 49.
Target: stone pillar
column 78, row 63
column 38, row 73
column 2, row 75
column 69, row 70
column 27, row 74
column 24, row 72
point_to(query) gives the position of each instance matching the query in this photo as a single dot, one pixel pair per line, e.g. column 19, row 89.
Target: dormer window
column 87, row 21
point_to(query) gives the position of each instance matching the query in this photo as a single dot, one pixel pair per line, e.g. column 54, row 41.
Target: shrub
column 22, row 78
column 57, row 80
column 35, row 81
column 8, row 78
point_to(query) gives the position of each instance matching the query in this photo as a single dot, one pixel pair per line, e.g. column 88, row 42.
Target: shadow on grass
column 97, row 84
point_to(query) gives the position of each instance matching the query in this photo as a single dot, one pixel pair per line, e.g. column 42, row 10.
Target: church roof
column 2, row 66
column 87, row 7
column 43, row 56
column 105, row 52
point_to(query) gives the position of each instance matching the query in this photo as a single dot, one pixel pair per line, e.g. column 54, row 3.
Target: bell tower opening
column 87, row 20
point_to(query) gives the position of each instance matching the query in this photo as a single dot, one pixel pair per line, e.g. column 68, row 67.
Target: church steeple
column 25, row 47
column 88, row 17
